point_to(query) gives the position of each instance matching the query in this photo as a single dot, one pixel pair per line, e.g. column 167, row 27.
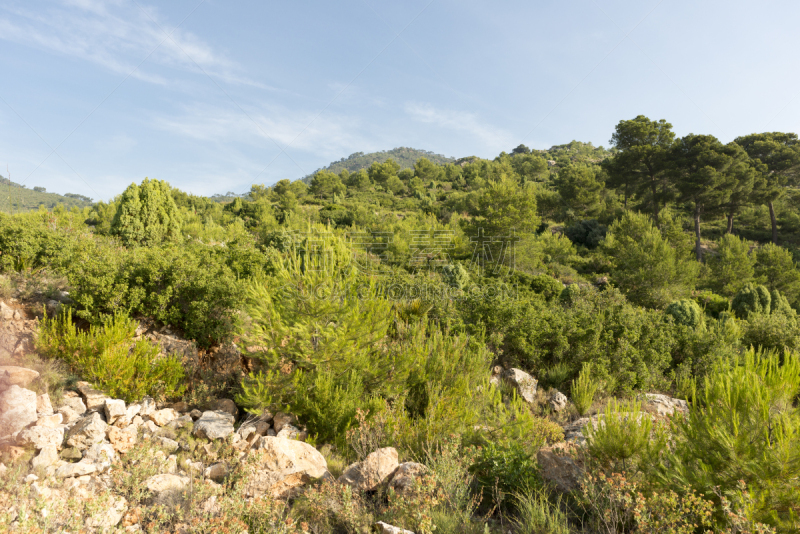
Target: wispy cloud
column 490, row 137
column 328, row 136
column 117, row 35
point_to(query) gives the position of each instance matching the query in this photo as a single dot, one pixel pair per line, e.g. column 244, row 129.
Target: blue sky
column 214, row 96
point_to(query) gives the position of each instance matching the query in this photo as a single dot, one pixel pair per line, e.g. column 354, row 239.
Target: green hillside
column 404, row 156
column 17, row 198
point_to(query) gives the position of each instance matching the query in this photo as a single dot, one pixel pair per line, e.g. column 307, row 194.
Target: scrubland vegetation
column 374, row 303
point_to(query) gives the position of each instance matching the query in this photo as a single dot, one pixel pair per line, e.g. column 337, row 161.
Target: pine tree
column 147, row 214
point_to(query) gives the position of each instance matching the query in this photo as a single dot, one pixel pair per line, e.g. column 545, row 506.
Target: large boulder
column 19, row 376
column 40, row 437
column 88, row 431
column 371, row 472
column 281, row 465
column 561, row 465
column 167, row 490
column 164, row 416
column 17, row 410
column 214, row 425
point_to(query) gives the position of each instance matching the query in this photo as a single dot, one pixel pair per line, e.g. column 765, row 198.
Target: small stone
column 46, row 457
column 43, row 405
column 195, row 414
column 148, row 406
column 114, row 409
column 167, row 489
column 31, row 478
column 225, row 405
column 214, row 425
column 88, row 431
column 386, row 528
column 524, row 383
column 180, row 407
column 101, row 455
column 558, row 401
column 50, row 421
column 123, row 439
column 71, row 453
column 167, row 444
column 370, row 473
column 216, row 472
column 19, row 376
column 68, row 415
column 76, row 404
column 403, row 478
column 184, row 421
column 95, row 399
column 171, row 465
column 110, row 516
column 164, row 416
column 282, row 419
column 150, row 427
column 289, row 431
column 81, row 468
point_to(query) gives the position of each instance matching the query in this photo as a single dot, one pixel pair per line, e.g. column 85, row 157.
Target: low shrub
column 109, row 357
column 583, row 390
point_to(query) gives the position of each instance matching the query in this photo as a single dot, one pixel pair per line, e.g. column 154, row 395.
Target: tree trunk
column 774, row 222
column 697, row 233
column 730, row 224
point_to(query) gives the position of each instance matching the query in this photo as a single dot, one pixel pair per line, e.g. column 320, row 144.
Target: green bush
column 588, row 233
column 623, row 433
column 743, row 427
column 503, row 471
column 109, row 357
column 583, row 390
column 685, row 312
column 547, row 286
column 751, row 300
column 712, row 303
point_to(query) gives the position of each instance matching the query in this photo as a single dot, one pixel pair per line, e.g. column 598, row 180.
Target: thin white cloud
column 117, row 35
column 329, row 135
column 492, row 138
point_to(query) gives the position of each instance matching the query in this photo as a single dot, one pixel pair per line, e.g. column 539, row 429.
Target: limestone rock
column 94, row 399
column 101, row 455
column 43, row 405
column 561, row 465
column 111, row 515
column 148, row 406
column 76, row 470
column 665, row 405
column 114, row 408
column 19, row 376
column 76, row 404
column 225, row 405
column 216, row 472
column 167, row 490
column 50, row 421
column 68, row 415
column 558, row 401
column 371, row 472
column 524, row 383
column 386, row 528
column 88, row 431
column 289, row 431
column 164, row 416
column 183, row 421
column 404, row 476
column 167, row 444
column 123, row 439
column 282, row 465
column 131, row 412
column 39, row 437
column 71, row 453
column 214, row 425
column 17, row 410
column 47, row 456
column 282, row 419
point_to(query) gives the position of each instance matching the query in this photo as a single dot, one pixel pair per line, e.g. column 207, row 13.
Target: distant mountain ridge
column 404, row 156
column 16, row 198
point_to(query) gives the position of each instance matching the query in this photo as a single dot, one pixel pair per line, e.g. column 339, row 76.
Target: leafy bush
column 712, row 303
column 503, row 471
column 685, row 312
column 547, row 286
column 751, row 300
column 588, row 233
column 108, row 356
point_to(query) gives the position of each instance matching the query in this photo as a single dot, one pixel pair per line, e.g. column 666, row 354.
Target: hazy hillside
column 18, row 198
column 405, row 156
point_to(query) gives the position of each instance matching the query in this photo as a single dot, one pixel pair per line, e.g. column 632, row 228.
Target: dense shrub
column 588, row 233
column 685, row 312
column 751, row 300
column 712, row 303
column 109, row 357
